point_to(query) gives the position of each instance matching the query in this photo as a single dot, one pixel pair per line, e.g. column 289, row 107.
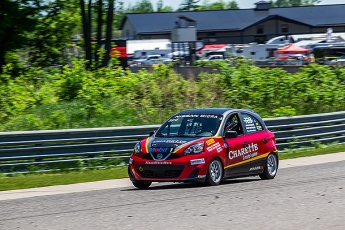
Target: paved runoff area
column 121, row 183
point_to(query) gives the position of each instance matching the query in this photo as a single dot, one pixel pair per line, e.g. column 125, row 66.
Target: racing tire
column 141, row 184
column 271, row 167
column 214, row 172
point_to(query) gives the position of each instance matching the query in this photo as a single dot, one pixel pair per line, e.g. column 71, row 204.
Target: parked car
column 205, row 145
column 338, row 61
column 212, row 58
column 150, row 60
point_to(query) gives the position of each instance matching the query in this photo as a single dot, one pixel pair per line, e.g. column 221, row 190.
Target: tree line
column 39, row 31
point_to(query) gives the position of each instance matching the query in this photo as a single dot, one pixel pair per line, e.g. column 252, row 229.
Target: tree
column 119, row 14
column 218, row 5
column 52, row 33
column 144, row 6
column 86, row 14
column 289, row 3
column 110, row 16
column 161, row 8
column 86, row 24
column 232, row 5
column 99, row 28
column 188, row 5
column 16, row 19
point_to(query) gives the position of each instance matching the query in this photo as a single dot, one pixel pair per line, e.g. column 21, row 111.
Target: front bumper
column 189, row 168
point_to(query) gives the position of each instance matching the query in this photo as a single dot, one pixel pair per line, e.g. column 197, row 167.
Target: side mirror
column 231, row 134
column 151, row 133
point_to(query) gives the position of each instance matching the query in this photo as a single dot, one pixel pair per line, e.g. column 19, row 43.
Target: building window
column 260, row 29
column 285, row 28
column 127, row 33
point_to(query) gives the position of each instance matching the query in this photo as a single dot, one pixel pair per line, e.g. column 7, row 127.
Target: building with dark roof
column 239, row 26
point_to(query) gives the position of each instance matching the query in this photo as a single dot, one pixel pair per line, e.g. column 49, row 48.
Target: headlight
column 196, row 148
column 137, row 148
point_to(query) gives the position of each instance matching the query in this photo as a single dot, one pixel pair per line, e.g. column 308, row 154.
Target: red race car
column 205, row 145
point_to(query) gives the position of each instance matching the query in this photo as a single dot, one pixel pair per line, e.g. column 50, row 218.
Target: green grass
column 21, row 181
column 322, row 149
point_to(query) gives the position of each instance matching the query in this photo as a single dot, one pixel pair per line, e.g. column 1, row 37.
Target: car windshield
column 190, row 125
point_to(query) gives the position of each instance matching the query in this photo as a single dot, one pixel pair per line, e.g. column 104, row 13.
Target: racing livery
column 205, row 145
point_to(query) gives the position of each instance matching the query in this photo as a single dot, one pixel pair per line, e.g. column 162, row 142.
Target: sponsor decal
column 170, row 141
column 208, row 116
column 214, row 146
column 130, row 161
column 256, row 168
column 248, row 120
column 187, row 115
column 159, row 150
column 197, row 161
column 246, row 153
column 219, row 149
column 158, row 163
column 210, row 141
column 196, row 115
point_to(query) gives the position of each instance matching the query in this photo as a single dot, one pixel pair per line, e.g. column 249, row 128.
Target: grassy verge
column 20, row 181
column 322, row 149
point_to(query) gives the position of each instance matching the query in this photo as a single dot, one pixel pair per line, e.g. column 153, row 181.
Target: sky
column 243, row 4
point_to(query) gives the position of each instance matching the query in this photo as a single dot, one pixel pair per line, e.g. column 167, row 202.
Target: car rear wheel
column 271, row 167
column 214, row 172
column 141, row 184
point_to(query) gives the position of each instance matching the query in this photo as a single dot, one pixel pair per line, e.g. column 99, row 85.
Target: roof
column 308, row 42
column 262, row 2
column 236, row 20
column 213, row 111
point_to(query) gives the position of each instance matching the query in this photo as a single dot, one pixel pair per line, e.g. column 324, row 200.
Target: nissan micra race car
column 205, row 145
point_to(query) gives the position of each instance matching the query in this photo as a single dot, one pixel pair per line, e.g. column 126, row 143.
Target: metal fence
column 99, row 147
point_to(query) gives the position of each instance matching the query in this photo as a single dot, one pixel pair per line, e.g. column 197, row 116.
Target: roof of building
column 236, row 20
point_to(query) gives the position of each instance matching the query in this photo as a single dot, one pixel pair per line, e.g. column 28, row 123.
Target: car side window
column 252, row 124
column 233, row 123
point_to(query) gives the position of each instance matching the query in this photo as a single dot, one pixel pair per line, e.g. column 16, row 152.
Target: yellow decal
column 210, row 141
column 147, row 145
column 246, row 161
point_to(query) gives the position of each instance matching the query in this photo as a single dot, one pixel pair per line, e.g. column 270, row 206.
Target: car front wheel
column 141, row 184
column 214, row 172
column 271, row 167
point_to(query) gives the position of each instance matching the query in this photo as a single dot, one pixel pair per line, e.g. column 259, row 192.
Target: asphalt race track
column 308, row 197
